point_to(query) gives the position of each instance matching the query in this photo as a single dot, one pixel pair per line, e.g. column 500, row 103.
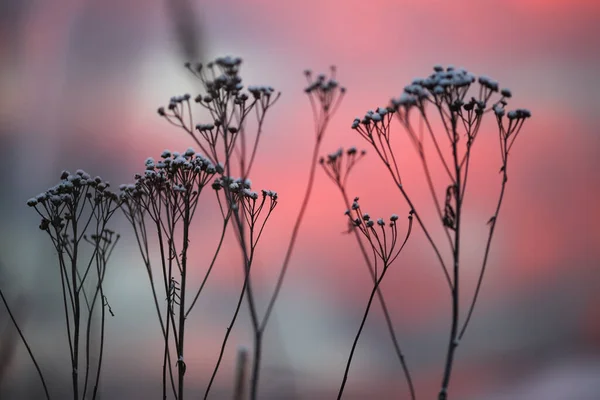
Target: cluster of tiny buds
column 372, row 117
column 261, row 91
column 173, row 171
column 227, row 81
column 229, row 65
column 321, row 83
column 450, row 82
column 241, row 187
column 518, row 114
column 365, row 218
column 70, row 186
column 335, row 156
column 171, row 162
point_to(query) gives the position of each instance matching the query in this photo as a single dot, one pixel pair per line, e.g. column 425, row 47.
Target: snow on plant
column 338, row 166
column 165, row 196
column 78, row 209
column 385, row 248
column 227, row 145
column 447, row 93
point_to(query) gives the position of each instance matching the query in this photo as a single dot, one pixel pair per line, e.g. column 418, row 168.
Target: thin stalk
column 76, row 316
column 296, row 229
column 180, row 362
column 487, row 251
column 453, row 342
column 362, row 324
column 37, row 367
column 227, row 333
column 102, row 322
column 388, row 319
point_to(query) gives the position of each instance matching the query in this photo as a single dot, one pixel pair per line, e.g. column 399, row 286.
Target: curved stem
column 296, row 228
column 428, row 236
column 486, row 254
column 37, row 367
column 388, row 319
column 224, row 344
column 212, row 263
column 453, row 341
column 362, row 324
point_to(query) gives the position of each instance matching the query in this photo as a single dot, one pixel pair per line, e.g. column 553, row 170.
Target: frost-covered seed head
column 394, row 217
column 488, row 83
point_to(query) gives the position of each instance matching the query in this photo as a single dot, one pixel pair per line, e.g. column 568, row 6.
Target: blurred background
column 80, row 82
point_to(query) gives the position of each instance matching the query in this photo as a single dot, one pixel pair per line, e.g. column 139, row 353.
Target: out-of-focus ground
column 80, row 82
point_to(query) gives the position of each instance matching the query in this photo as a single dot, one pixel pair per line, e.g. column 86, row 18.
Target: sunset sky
column 81, row 82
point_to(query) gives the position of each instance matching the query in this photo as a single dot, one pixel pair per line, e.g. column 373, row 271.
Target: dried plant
column 446, row 93
column 78, row 209
column 161, row 203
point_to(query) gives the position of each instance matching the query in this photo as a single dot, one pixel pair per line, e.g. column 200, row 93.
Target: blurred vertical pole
column 240, row 375
column 187, row 28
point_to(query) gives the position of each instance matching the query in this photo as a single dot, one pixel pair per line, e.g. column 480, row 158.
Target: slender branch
column 453, row 342
column 492, row 223
column 296, row 229
column 386, row 313
column 37, row 367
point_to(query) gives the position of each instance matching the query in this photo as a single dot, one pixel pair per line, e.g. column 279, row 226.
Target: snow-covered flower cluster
column 241, row 189
column 449, row 86
column 173, row 174
column 228, row 102
column 380, row 116
column 327, row 90
column 337, row 165
column 447, row 90
column 240, row 196
column 381, row 235
column 221, row 78
column 61, row 204
column 364, row 221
